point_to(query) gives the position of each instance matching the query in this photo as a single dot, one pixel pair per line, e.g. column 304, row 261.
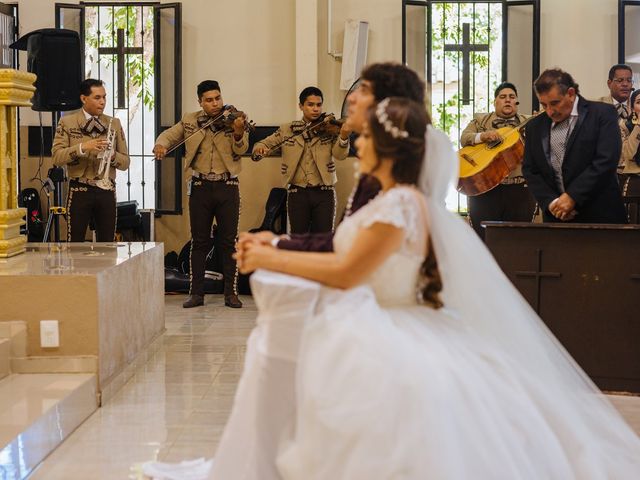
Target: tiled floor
column 177, row 404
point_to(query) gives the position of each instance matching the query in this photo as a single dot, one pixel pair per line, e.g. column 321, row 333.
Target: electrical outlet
column 49, row 334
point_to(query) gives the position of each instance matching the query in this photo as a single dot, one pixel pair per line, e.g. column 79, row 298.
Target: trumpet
column 105, row 160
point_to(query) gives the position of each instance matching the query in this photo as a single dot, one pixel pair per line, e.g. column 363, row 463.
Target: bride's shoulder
column 405, row 197
column 398, row 206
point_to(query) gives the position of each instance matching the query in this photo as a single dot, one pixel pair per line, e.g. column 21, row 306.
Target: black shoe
column 232, row 301
column 193, row 301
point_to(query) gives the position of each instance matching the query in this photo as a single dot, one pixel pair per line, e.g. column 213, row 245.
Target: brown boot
column 232, row 301
column 193, row 301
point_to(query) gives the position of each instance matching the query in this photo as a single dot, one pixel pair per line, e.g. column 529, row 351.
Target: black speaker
column 54, row 56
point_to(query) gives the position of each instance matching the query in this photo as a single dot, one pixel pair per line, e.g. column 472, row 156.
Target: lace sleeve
column 398, row 207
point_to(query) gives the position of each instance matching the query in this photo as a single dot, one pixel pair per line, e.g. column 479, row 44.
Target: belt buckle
column 214, row 177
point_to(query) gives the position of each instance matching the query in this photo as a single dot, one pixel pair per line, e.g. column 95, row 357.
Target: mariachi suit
column 623, row 114
column 588, row 168
column 85, row 199
column 309, row 172
column 511, row 200
column 214, row 157
column 630, row 177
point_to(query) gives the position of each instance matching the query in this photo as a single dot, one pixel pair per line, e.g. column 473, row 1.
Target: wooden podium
column 16, row 90
column 584, row 282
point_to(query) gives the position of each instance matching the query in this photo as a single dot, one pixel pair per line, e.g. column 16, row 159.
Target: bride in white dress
column 366, row 370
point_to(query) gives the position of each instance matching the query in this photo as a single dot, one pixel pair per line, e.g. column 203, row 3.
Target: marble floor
column 176, row 405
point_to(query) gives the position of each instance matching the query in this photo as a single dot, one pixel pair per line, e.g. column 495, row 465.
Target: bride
column 407, row 354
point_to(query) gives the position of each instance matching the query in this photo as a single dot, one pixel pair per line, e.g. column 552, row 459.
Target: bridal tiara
column 383, row 119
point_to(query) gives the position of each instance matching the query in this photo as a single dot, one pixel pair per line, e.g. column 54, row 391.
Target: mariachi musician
column 511, row 199
column 308, row 167
column 212, row 151
column 92, row 145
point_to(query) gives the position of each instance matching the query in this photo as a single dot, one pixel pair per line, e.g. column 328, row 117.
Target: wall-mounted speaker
column 354, row 51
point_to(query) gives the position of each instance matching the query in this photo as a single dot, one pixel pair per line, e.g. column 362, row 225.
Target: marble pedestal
column 108, row 300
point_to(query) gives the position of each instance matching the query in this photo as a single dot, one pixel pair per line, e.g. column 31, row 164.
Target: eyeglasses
column 623, row 80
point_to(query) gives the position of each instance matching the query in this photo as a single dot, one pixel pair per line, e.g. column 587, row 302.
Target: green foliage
column 447, row 114
column 139, row 68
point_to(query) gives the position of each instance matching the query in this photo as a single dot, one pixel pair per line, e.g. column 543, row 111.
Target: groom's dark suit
column 588, row 169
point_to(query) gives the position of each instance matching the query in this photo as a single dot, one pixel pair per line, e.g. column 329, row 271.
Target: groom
column 378, row 81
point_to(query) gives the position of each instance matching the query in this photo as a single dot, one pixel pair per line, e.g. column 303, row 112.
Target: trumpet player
column 308, row 167
column 92, row 145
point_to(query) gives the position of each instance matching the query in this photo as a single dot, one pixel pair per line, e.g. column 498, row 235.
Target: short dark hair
column 87, row 84
column 555, row 77
column 207, row 86
column 392, row 79
column 618, row 66
column 504, row 85
column 309, row 91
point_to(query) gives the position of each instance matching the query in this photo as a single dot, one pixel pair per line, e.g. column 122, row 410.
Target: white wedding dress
column 368, row 384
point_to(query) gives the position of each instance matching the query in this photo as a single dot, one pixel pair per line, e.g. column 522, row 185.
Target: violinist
column 213, row 155
column 309, row 147
column 511, row 200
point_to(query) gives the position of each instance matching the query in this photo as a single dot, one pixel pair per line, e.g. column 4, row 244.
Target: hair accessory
column 383, row 119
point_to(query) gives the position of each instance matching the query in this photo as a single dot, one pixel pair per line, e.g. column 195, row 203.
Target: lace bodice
column 395, row 281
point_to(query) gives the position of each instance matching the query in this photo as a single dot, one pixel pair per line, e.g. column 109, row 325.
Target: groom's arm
column 307, row 242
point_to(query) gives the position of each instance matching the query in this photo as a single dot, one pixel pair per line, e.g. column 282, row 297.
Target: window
column 463, row 50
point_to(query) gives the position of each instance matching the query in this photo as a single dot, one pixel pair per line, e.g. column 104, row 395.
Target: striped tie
column 623, row 111
column 558, row 144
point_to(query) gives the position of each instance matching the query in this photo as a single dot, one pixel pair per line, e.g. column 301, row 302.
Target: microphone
column 517, row 103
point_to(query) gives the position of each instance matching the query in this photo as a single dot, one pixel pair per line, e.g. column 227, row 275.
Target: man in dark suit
column 571, row 154
column 378, row 81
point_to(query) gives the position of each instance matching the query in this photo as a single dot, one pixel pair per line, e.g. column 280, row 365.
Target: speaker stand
column 57, row 177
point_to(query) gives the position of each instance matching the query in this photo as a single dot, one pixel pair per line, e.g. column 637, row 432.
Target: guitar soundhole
column 494, row 144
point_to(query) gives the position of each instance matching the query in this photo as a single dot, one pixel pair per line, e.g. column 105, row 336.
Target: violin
column 226, row 118
column 325, row 124
column 330, row 125
column 222, row 121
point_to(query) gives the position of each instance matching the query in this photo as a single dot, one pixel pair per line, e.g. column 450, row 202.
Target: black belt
column 90, row 182
column 312, row 187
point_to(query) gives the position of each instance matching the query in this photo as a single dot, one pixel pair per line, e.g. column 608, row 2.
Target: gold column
column 16, row 90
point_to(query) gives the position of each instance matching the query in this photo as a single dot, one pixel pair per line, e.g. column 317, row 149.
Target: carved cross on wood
column 538, row 274
column 466, row 48
column 120, row 51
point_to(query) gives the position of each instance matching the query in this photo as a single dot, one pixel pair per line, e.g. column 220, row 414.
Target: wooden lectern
column 584, row 282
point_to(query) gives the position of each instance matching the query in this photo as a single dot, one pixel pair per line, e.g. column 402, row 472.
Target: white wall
column 581, row 37
column 385, row 39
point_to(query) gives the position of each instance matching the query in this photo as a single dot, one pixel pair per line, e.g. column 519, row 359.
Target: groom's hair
column 391, row 79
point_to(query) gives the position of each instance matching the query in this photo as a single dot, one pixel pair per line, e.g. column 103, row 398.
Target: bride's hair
column 398, row 126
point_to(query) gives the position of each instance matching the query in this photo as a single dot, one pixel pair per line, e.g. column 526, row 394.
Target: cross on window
column 466, row 48
column 121, row 51
column 538, row 274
